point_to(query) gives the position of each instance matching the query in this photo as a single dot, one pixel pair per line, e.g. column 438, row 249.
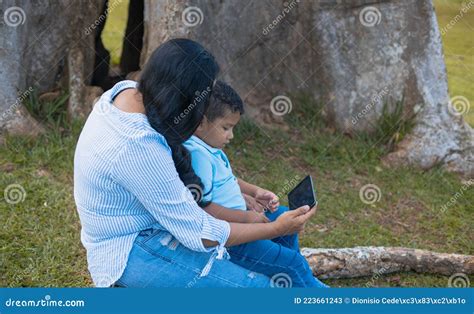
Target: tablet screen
column 302, row 194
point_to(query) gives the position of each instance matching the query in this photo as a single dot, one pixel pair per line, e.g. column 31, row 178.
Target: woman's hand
column 252, row 203
column 267, row 199
column 293, row 221
column 253, row 217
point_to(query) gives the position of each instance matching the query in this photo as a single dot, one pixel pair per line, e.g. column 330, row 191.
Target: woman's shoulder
column 122, row 85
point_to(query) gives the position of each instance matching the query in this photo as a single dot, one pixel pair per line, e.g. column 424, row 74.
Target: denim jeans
column 159, row 260
column 278, row 258
column 156, row 262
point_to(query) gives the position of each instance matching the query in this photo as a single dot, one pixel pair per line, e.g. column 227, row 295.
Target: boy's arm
column 230, row 215
column 252, row 203
column 266, row 198
column 248, row 188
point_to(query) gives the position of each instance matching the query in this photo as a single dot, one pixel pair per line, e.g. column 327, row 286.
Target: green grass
column 458, row 46
column 40, row 237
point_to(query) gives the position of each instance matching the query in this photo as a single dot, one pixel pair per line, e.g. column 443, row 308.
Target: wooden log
column 369, row 260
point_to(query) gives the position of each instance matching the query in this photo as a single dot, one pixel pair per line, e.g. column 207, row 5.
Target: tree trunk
column 350, row 56
column 367, row 261
column 38, row 40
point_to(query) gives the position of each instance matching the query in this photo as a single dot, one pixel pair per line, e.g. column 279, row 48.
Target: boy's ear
column 202, row 124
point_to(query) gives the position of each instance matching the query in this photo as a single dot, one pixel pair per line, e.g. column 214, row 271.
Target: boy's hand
column 267, row 199
column 252, row 203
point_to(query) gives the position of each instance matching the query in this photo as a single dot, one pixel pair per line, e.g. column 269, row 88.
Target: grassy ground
column 39, row 237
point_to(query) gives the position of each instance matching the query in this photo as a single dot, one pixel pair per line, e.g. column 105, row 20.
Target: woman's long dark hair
column 176, row 84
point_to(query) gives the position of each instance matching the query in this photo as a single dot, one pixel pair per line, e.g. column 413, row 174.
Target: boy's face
column 219, row 132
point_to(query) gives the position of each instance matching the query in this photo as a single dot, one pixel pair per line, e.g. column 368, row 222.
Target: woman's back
column 110, row 215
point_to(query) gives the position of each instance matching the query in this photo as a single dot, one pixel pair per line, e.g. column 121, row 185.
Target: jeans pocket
column 147, row 234
column 161, row 243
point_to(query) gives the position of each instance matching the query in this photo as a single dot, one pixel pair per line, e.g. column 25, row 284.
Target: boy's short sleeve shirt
column 213, row 167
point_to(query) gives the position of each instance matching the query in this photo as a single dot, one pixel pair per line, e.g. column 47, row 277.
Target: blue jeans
column 156, row 262
column 278, row 258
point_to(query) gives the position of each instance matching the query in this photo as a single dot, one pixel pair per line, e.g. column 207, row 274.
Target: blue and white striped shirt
column 125, row 181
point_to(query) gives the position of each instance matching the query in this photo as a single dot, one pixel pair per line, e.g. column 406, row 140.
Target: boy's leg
column 276, row 261
column 290, row 241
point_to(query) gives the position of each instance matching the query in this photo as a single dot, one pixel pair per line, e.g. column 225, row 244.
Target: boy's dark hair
column 223, row 99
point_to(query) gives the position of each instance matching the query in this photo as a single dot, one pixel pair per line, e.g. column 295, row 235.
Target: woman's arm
column 289, row 222
column 234, row 215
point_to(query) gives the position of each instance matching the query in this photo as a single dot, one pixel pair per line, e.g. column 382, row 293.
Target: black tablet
column 302, row 194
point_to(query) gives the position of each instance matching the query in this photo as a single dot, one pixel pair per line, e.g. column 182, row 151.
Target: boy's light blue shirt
column 213, row 167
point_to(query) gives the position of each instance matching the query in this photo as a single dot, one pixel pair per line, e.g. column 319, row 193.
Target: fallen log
column 369, row 260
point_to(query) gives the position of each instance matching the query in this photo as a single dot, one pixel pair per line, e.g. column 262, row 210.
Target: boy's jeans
column 279, row 258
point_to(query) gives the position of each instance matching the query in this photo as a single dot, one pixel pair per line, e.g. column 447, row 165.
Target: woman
column 131, row 174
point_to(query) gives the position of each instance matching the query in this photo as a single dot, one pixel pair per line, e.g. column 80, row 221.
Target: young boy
column 278, row 258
